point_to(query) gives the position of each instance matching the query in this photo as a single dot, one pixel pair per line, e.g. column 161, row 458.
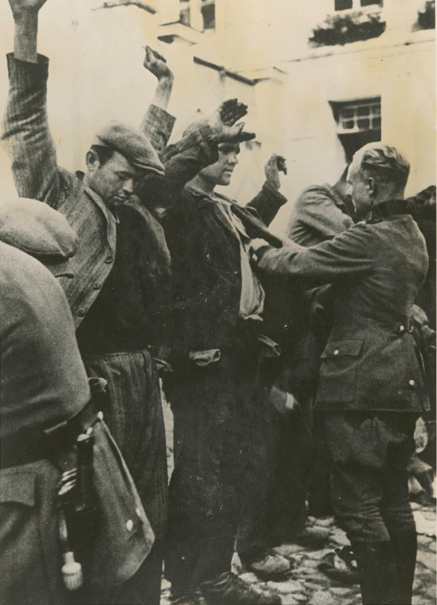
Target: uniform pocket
column 338, row 371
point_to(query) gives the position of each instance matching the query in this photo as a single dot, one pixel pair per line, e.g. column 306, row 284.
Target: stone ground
column 307, row 585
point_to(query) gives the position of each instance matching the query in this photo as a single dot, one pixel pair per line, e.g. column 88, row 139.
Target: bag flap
column 342, row 348
column 17, row 486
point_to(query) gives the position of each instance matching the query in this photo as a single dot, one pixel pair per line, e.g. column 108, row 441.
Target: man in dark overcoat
column 371, row 385
column 223, row 440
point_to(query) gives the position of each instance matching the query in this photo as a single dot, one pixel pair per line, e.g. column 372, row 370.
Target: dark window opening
column 370, row 2
column 358, row 123
column 208, row 13
column 341, row 5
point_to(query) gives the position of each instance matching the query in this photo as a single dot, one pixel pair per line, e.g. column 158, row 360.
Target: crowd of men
column 282, row 360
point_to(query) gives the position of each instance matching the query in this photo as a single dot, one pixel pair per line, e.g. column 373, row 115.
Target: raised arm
column 269, row 200
column 26, row 135
column 158, row 124
column 196, row 150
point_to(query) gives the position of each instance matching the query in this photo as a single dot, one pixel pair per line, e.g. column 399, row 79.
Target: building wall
column 96, row 74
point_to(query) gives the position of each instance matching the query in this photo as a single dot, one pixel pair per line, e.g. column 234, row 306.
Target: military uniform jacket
column 371, row 361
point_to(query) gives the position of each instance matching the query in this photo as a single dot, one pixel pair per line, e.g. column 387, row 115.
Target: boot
column 405, row 550
column 229, row 589
column 378, row 574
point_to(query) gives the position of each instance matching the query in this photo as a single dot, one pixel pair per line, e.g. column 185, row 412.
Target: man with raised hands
column 120, row 289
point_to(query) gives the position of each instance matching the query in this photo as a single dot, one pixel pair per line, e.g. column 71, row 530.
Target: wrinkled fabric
column 43, row 380
column 370, row 453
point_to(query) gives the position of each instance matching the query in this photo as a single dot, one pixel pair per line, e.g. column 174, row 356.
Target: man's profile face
column 358, row 189
column 114, row 180
column 220, row 173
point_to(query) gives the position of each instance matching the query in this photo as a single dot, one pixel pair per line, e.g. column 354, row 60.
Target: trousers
column 369, row 484
column 222, row 450
column 133, row 412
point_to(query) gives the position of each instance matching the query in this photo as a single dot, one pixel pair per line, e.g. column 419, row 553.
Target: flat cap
column 132, row 144
column 36, row 228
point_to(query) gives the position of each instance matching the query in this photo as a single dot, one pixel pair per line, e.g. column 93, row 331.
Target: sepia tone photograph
column 217, row 302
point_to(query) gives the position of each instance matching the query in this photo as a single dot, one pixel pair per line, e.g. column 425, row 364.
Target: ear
column 371, row 186
column 92, row 161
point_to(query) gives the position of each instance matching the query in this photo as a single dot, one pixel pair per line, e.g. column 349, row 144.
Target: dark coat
column 206, row 266
column 371, row 361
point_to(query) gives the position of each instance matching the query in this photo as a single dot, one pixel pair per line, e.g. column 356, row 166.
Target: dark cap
column 39, row 230
column 132, row 144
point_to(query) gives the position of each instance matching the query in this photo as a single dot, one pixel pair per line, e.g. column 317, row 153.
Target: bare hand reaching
column 223, row 122
column 275, row 165
column 156, row 64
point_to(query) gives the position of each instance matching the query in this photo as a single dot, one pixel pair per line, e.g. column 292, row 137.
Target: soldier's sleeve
column 348, row 254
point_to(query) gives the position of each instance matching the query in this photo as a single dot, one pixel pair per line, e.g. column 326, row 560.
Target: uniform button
column 109, row 259
column 336, row 352
column 81, row 313
column 97, row 286
column 401, row 328
column 129, row 525
column 411, row 383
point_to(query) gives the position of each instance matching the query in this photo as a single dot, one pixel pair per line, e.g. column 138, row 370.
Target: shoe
column 340, row 566
column 229, row 589
column 269, row 566
column 186, row 598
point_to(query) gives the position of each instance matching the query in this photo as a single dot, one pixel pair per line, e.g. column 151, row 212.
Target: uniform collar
column 387, row 210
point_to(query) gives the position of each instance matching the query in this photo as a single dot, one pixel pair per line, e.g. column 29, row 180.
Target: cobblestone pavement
column 307, row 585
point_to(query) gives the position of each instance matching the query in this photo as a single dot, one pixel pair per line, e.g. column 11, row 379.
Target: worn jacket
column 318, row 214
column 371, row 361
column 37, row 175
column 206, row 265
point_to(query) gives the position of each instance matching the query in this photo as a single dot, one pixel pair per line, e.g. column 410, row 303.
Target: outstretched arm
column 26, row 134
column 350, row 253
column 157, row 124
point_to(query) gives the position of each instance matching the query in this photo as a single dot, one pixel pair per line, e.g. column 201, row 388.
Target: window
column 358, row 123
column 341, row 5
column 206, row 19
column 208, row 14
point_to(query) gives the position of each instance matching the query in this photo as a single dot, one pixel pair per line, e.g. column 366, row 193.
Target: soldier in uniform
column 371, row 384
column 44, row 384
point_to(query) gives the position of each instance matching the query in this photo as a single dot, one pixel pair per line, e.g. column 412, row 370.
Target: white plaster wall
column 96, row 74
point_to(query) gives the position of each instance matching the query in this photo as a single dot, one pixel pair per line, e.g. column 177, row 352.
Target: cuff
column 28, row 73
column 203, row 138
column 278, row 197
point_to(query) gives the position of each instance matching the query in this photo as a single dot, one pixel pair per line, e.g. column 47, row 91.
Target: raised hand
column 275, row 165
column 156, row 64
column 19, row 7
column 223, row 122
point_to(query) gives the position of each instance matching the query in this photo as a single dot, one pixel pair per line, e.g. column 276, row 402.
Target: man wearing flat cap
column 371, row 385
column 119, row 292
